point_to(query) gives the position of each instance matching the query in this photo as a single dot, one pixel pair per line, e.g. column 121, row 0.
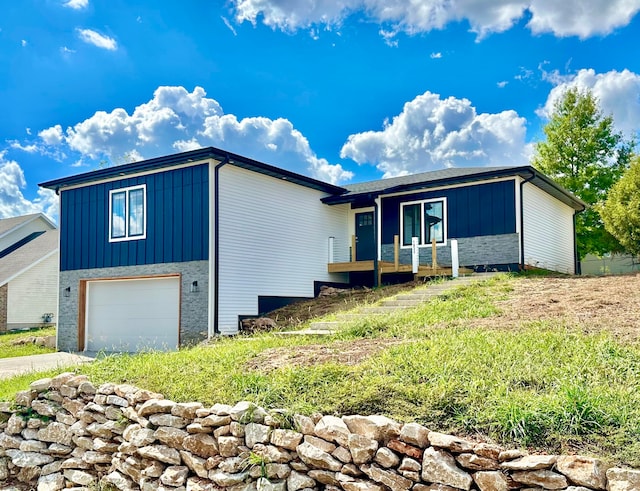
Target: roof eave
column 202, row 154
column 445, row 181
column 542, row 181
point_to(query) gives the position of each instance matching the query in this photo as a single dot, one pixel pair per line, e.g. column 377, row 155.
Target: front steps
column 394, row 304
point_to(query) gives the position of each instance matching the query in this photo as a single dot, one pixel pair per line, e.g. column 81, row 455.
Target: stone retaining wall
column 65, row 433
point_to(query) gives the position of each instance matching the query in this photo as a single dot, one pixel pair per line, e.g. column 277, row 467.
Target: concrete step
column 348, row 317
column 402, row 302
column 306, row 332
column 380, row 310
column 420, row 297
column 324, row 325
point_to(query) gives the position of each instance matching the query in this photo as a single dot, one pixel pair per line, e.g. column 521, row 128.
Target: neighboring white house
column 29, row 271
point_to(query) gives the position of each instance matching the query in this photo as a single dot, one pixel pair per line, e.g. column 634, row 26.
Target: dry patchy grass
column 590, row 303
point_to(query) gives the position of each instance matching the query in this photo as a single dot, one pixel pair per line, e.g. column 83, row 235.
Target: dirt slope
column 592, row 303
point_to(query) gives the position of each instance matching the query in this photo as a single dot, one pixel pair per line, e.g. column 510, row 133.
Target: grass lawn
column 469, row 363
column 10, row 350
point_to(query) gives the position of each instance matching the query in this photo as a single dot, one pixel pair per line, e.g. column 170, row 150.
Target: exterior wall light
column 194, row 287
column 67, row 292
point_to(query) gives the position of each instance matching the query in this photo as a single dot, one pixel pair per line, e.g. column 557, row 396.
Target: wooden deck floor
column 385, row 267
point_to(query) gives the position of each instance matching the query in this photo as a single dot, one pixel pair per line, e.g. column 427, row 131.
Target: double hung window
column 425, row 220
column 128, row 213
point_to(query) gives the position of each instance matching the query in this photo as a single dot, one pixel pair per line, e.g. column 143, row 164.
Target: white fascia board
column 138, row 174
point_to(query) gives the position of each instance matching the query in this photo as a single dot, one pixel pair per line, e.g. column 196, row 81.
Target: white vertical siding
column 548, row 231
column 273, row 240
column 33, row 293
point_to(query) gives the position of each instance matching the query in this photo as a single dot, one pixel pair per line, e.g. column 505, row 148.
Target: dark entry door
column 365, row 237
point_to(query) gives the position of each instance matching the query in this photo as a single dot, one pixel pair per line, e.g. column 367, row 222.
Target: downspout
column 577, row 266
column 533, row 174
column 375, row 241
column 216, row 243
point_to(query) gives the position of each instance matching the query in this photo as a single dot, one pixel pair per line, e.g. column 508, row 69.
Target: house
column 504, row 218
column 168, row 251
column 28, row 272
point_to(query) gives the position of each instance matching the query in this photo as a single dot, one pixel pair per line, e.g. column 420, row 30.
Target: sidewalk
column 10, row 367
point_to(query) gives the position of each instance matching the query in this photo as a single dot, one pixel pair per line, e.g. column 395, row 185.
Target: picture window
column 127, row 213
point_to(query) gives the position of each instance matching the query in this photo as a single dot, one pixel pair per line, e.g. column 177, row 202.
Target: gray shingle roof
column 366, row 191
column 22, row 258
column 422, row 177
column 7, row 224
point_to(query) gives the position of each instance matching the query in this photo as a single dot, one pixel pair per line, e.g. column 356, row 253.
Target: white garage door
column 133, row 315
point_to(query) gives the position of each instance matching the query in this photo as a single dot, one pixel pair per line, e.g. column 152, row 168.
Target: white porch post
column 331, row 241
column 415, row 255
column 455, row 262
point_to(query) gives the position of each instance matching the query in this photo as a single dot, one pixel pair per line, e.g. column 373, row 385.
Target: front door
column 365, row 237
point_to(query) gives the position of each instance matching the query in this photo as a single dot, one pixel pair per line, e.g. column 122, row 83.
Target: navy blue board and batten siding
column 483, row 209
column 481, row 216
column 177, row 214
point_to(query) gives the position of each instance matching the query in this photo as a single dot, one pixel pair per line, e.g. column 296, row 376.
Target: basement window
column 426, row 220
column 128, row 213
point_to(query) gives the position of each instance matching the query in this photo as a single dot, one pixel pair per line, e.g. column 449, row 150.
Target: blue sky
column 343, row 92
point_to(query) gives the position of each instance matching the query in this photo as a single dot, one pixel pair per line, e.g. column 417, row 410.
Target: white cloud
column 618, row 92
column 228, row 24
column 29, row 148
column 431, row 133
column 502, row 84
column 76, row 4
column 52, row 136
column 12, row 201
column 24, row 43
column 436, row 56
column 100, row 40
column 178, row 120
column 583, row 18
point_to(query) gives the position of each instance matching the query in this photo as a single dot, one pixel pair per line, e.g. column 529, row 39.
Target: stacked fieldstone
column 66, row 433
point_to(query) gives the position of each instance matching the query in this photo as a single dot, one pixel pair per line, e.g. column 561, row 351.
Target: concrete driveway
column 10, row 367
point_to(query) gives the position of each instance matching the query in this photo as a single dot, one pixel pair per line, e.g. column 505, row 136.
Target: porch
column 386, row 267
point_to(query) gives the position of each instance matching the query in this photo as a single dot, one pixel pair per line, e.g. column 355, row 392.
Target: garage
column 133, row 315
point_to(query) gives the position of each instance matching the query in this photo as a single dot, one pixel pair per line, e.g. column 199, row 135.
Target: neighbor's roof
column 9, row 224
column 27, row 255
column 448, row 177
column 186, row 157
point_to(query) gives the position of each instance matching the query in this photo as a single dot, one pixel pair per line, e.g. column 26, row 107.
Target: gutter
column 216, row 243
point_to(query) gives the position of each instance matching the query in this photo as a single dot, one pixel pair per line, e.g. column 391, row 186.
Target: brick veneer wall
column 193, row 306
column 472, row 251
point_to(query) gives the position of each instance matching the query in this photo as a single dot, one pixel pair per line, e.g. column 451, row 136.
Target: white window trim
column 421, row 203
column 126, row 225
